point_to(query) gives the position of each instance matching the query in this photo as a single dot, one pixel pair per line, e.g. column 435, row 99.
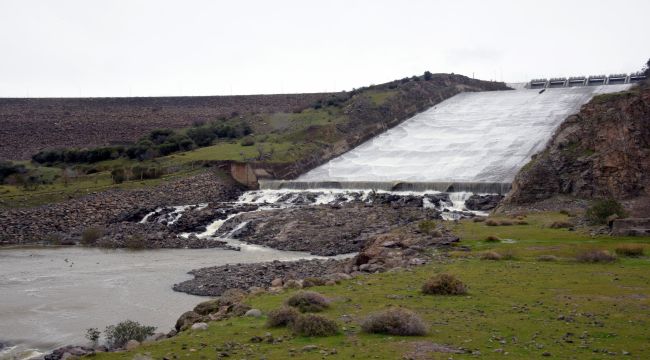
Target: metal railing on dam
column 473, row 187
column 592, row 80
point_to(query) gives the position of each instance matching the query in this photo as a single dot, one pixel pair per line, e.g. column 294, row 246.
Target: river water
column 49, row 296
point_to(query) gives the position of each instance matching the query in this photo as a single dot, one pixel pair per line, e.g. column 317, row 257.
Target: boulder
column 207, row 307
column 131, row 344
column 200, row 326
column 188, row 319
column 253, row 313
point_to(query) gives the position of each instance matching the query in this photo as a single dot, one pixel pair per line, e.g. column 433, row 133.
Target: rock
column 131, row 344
column 68, row 351
column 483, row 202
column 200, row 326
column 207, row 307
column 277, row 282
column 187, row 319
column 253, row 313
column 308, row 348
column 156, row 337
column 292, row 284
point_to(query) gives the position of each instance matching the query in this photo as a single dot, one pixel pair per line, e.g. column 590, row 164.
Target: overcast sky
column 156, row 47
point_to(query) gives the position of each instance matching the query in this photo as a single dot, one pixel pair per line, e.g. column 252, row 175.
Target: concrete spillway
column 477, row 138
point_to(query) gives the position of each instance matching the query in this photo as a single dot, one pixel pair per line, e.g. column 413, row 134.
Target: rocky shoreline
column 112, row 212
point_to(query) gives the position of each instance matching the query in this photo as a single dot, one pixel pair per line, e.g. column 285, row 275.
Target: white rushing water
column 471, row 137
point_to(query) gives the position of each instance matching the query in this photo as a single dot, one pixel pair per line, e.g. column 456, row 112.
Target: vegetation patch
column 118, row 335
column 444, row 284
column 629, row 250
column 395, row 321
column 284, row 316
column 308, row 301
column 601, row 210
column 595, row 256
column 314, row 325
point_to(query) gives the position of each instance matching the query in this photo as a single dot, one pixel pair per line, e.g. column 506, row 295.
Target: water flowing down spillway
column 481, row 137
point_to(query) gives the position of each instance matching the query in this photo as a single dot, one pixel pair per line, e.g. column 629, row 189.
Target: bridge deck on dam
column 483, row 137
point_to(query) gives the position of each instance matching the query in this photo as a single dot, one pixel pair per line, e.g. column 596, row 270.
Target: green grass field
column 521, row 308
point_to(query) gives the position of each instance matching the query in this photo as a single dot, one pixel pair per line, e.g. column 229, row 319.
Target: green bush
column 202, row 136
column 602, row 209
column 118, row 175
column 7, row 169
column 118, row 335
column 314, row 325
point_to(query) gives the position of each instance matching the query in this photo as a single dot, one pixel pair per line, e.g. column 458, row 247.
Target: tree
column 428, row 75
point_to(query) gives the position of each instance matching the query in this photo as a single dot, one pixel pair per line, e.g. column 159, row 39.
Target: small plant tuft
column 308, row 301
column 91, row 234
column 444, row 284
column 492, row 239
column 314, row 325
column 561, row 225
column 284, row 316
column 312, row 281
column 595, row 256
column 547, row 258
column 395, row 321
column 491, row 255
column 629, row 250
column 491, row 222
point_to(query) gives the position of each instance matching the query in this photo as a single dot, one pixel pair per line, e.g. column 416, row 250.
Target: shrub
column 92, row 334
column 561, row 225
column 491, row 222
column 429, row 227
column 521, row 222
column 247, row 141
column 118, row 175
column 428, row 75
column 284, row 316
column 478, row 219
column 314, row 325
column 629, row 250
column 492, row 238
column 90, row 235
column 394, row 321
column 444, row 284
column 505, row 223
column 135, row 242
column 490, row 255
column 602, row 209
column 202, row 136
column 547, row 258
column 595, row 256
column 508, row 254
column 118, row 335
column 7, row 169
column 308, row 301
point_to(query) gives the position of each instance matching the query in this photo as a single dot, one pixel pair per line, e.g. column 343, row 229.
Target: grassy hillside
column 519, row 306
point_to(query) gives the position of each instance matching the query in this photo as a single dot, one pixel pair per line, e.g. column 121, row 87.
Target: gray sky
column 157, row 47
